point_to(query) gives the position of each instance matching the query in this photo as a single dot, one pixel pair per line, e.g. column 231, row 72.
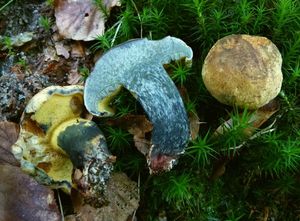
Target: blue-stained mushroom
column 59, row 147
column 137, row 65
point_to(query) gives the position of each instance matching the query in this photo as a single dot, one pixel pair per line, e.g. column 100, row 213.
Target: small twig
column 268, row 129
column 139, row 16
column 60, row 206
column 6, row 5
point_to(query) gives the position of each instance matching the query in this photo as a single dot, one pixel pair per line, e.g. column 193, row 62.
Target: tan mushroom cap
column 243, row 70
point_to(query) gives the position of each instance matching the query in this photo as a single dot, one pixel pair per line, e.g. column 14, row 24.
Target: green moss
column 259, row 178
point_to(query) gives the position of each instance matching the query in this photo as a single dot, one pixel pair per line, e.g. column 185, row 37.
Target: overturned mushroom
column 243, row 70
column 59, row 147
column 137, row 65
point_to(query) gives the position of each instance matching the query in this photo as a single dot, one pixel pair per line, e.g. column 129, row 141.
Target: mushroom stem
column 85, row 144
column 138, row 66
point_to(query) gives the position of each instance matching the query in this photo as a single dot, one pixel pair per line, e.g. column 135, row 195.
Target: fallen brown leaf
column 192, row 115
column 257, row 119
column 77, row 50
column 194, row 125
column 138, row 126
column 9, row 133
column 22, row 198
column 219, row 169
column 122, row 200
column 81, row 19
column 265, row 112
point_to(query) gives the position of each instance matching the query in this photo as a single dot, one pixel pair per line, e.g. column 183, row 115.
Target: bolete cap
column 243, row 70
column 55, row 140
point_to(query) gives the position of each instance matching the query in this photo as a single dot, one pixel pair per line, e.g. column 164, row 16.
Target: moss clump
column 214, row 181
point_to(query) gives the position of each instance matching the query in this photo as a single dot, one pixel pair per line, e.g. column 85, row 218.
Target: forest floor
column 234, row 176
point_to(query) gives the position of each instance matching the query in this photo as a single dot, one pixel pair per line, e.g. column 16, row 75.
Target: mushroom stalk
column 137, row 65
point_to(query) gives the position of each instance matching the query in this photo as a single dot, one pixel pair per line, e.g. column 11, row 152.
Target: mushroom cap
column 243, row 70
column 55, row 140
column 137, row 65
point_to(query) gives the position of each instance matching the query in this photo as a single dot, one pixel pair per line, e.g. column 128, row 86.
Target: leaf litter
column 55, row 59
column 121, row 197
column 9, row 133
column 137, row 125
column 21, row 197
column 257, row 119
column 81, row 19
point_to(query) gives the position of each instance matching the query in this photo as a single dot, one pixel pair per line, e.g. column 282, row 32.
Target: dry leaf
column 9, row 133
column 81, row 19
column 142, row 144
column 22, row 198
column 192, row 115
column 122, row 197
column 194, row 125
column 219, row 169
column 77, row 50
column 257, row 119
column 62, row 50
column 50, row 54
column 264, row 113
column 138, row 126
column 74, row 77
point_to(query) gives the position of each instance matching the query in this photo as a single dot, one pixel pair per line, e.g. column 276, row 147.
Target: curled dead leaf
column 194, row 124
column 265, row 112
column 138, row 126
column 258, row 118
column 81, row 19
